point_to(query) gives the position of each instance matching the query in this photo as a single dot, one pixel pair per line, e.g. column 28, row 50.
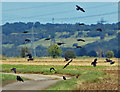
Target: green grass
column 71, row 84
column 45, row 69
column 7, row 78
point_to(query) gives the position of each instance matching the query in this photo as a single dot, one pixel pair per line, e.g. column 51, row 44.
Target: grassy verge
column 7, row 78
column 73, row 84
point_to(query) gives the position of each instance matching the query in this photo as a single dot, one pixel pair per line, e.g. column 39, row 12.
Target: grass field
column 104, row 76
column 7, row 78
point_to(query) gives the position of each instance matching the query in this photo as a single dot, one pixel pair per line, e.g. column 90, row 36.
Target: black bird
column 111, row 62
column 52, row 69
column 66, row 59
column 77, row 76
column 60, row 43
column 13, row 69
column 67, row 64
column 94, row 62
column 19, row 79
column 78, row 46
column 27, row 40
column 107, row 60
column 29, row 55
column 30, row 59
column 80, row 40
column 25, row 32
column 79, row 8
column 64, row 78
column 81, row 24
column 99, row 29
column 47, row 38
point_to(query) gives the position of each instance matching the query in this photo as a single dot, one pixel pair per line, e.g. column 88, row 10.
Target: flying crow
column 94, row 62
column 60, row 43
column 99, row 29
column 27, row 40
column 64, row 78
column 111, row 62
column 79, row 8
column 47, row 38
column 78, row 46
column 25, row 32
column 29, row 55
column 13, row 69
column 67, row 64
column 80, row 40
column 81, row 24
column 19, row 79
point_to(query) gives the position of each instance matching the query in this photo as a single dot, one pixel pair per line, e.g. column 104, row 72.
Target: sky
column 59, row 12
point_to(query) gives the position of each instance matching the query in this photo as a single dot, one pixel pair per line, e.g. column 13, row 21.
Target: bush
column 109, row 54
column 54, row 51
column 69, row 54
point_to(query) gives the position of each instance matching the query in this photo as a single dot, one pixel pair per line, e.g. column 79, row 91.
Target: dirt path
column 38, row 82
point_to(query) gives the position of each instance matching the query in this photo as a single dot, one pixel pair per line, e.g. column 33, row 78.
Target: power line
column 39, row 6
column 70, row 18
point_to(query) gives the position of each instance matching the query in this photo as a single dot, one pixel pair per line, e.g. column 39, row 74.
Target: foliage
column 69, row 54
column 109, row 54
column 92, row 53
column 54, row 51
column 82, row 52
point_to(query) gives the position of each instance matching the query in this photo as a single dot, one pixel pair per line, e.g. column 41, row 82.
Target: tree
column 92, row 54
column 69, row 54
column 54, row 51
column 109, row 54
column 23, row 51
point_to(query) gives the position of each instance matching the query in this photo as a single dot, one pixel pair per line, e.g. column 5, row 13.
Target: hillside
column 13, row 37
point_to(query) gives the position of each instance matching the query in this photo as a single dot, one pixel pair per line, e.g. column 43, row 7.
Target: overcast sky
column 62, row 12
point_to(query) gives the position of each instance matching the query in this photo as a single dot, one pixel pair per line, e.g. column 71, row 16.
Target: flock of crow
column 66, row 59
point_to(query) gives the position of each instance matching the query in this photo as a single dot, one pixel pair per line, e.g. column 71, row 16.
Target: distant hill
column 13, row 37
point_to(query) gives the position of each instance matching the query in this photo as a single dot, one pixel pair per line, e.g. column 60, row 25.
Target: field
column 102, row 77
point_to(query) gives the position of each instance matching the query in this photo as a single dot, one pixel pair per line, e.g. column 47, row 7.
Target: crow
column 25, row 32
column 60, row 43
column 94, row 62
column 19, row 79
column 13, row 69
column 79, row 8
column 47, row 38
column 64, row 78
column 77, row 76
column 81, row 24
column 99, row 29
column 30, row 59
column 29, row 55
column 111, row 62
column 80, row 40
column 67, row 64
column 107, row 60
column 52, row 69
column 66, row 59
column 27, row 40
column 78, row 46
